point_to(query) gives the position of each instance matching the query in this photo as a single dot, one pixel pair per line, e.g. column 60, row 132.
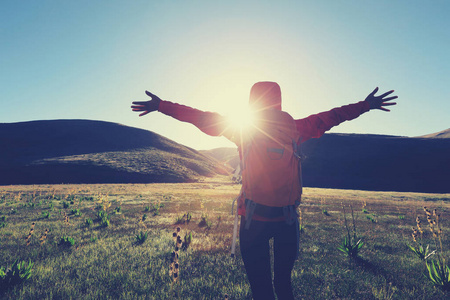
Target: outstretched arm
column 316, row 125
column 210, row 123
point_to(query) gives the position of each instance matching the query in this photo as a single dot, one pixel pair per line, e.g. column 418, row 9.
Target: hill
column 228, row 156
column 444, row 134
column 85, row 151
column 377, row 162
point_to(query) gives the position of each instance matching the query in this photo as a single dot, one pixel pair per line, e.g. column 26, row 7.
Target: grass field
column 111, row 259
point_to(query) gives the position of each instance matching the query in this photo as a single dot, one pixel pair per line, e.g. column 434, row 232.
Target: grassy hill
column 377, row 162
column 228, row 156
column 85, row 151
column 372, row 162
column 444, row 134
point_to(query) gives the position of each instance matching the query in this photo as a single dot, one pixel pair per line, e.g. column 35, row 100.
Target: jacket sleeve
column 210, row 123
column 316, row 125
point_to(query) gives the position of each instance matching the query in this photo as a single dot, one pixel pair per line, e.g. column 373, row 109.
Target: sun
column 242, row 119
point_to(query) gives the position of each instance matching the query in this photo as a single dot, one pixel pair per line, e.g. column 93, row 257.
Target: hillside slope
column 228, row 156
column 444, row 134
column 85, row 151
column 375, row 162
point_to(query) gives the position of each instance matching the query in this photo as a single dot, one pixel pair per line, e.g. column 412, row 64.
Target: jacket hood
column 265, row 95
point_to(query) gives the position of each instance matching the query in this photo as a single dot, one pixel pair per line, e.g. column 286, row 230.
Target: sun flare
column 242, row 118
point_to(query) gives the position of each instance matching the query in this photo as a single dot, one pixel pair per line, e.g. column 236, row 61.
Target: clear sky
column 91, row 59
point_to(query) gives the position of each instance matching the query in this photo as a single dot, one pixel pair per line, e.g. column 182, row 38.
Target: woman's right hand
column 378, row 102
column 146, row 106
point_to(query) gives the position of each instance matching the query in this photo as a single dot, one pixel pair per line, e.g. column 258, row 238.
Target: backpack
column 270, row 163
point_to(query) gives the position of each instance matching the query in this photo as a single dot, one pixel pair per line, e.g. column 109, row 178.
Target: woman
column 258, row 228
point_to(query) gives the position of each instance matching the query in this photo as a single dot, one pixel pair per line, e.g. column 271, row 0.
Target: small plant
column 3, row 224
column 421, row 252
column 371, row 219
column 439, row 274
column 365, row 211
column 117, row 209
column 45, row 214
column 187, row 241
column 154, row 208
column 141, row 237
column 76, row 212
column 65, row 204
column 144, row 217
column 66, row 241
column 104, row 222
column 204, row 221
column 103, row 202
column 88, row 222
column 209, row 225
column 364, row 204
column 351, row 248
column 101, row 214
column 301, row 227
column 147, row 208
column 17, row 274
column 322, row 204
column 438, row 270
column 104, row 218
column 351, row 245
column 179, row 219
column 188, row 217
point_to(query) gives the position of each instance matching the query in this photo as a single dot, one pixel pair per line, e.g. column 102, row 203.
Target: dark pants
column 255, row 250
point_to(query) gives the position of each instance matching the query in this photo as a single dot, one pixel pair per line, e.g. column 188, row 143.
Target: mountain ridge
column 89, row 151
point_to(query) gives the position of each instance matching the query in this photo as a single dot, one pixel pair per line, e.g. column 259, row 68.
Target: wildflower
column 44, row 236
column 28, row 238
column 419, row 228
column 414, row 234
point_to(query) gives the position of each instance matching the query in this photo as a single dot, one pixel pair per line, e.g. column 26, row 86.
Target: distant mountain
column 444, row 134
column 375, row 162
column 228, row 156
column 85, row 151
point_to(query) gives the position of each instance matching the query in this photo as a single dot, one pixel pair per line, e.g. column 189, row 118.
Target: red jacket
column 215, row 124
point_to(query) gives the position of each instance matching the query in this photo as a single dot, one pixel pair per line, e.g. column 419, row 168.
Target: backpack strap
column 249, row 210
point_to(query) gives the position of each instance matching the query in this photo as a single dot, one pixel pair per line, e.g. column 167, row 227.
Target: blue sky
column 91, row 59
